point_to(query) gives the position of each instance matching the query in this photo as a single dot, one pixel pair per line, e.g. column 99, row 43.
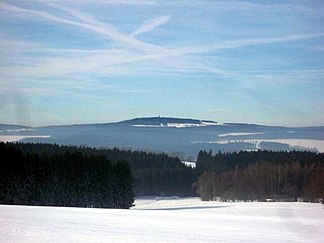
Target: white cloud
column 88, row 23
column 151, row 25
column 14, row 44
column 110, row 31
column 245, row 6
column 246, row 42
column 117, row 61
column 289, row 77
column 114, row 2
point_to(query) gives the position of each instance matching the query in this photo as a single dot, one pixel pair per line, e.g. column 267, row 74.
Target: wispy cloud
column 105, row 61
column 290, row 76
column 245, row 6
column 113, row 2
column 99, row 51
column 246, row 42
column 270, row 40
column 151, row 25
column 88, row 23
column 249, row 6
column 105, row 58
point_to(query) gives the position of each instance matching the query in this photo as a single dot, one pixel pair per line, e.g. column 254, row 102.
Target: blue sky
column 96, row 61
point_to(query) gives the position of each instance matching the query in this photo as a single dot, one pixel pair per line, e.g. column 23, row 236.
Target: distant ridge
column 154, row 121
column 162, row 120
column 168, row 122
column 140, row 121
column 13, row 126
column 182, row 136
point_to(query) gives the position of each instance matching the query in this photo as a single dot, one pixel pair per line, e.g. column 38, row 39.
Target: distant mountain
column 4, row 127
column 176, row 136
column 167, row 122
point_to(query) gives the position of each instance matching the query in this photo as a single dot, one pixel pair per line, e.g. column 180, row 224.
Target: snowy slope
column 165, row 122
column 161, row 220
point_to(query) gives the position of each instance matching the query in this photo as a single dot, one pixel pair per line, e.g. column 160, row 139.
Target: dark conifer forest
column 46, row 174
column 153, row 174
column 261, row 175
column 66, row 178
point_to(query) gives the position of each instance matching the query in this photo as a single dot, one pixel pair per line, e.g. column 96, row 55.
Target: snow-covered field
column 166, row 220
column 301, row 143
column 182, row 125
column 239, row 134
column 16, row 138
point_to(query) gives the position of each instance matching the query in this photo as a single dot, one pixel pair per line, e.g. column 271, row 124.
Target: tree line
column 154, row 174
column 260, row 175
column 68, row 178
column 47, row 169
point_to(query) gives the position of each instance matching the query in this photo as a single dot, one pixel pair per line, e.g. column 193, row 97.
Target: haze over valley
column 181, row 137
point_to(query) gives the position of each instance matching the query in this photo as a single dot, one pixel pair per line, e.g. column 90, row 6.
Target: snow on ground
column 239, row 134
column 20, row 130
column 191, row 164
column 15, row 138
column 183, row 125
column 146, row 125
column 166, row 220
column 303, row 143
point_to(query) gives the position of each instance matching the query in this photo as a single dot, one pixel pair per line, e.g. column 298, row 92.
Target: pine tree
column 123, row 185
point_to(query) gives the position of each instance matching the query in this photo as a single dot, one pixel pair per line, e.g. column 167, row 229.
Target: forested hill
column 154, row 174
column 177, row 136
column 230, row 176
column 137, row 159
column 261, row 174
column 165, row 121
column 222, row 162
column 65, row 179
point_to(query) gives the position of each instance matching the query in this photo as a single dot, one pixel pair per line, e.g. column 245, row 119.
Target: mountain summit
column 168, row 122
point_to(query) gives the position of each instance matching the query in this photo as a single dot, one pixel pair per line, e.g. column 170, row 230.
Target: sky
column 97, row 61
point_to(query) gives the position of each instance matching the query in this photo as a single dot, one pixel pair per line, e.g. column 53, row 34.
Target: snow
column 201, row 124
column 182, row 125
column 166, row 220
column 146, row 125
column 191, row 164
column 15, row 138
column 301, row 143
column 239, row 134
column 20, row 130
column 216, row 142
column 213, row 123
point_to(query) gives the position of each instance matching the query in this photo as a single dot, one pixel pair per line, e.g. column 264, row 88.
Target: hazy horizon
column 78, row 62
column 184, row 118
